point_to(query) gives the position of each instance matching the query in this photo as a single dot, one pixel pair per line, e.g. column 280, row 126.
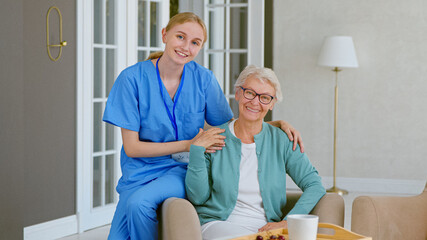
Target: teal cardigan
column 212, row 180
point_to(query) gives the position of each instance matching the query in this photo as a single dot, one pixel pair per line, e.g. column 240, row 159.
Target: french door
column 112, row 34
column 235, row 40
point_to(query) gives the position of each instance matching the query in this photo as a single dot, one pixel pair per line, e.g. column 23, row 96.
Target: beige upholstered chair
column 179, row 220
column 389, row 218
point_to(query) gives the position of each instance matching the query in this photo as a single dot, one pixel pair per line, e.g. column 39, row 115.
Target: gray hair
column 263, row 74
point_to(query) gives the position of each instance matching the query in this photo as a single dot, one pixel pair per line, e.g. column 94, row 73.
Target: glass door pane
column 238, row 28
column 154, row 24
column 97, row 21
column 142, row 19
column 109, row 179
column 97, row 182
column 110, row 13
column 238, row 61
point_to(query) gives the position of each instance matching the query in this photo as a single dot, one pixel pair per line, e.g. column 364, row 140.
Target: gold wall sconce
column 61, row 43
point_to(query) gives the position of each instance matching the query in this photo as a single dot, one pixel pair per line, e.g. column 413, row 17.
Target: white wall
column 382, row 117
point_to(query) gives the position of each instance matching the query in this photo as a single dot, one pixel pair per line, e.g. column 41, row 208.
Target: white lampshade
column 338, row 51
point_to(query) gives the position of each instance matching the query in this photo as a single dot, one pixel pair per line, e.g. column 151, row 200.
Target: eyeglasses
column 251, row 94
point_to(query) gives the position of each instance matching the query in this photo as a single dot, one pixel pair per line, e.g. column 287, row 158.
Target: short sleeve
column 218, row 110
column 122, row 105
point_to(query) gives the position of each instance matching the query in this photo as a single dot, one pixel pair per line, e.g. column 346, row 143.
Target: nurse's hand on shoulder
column 293, row 134
column 273, row 225
column 209, row 139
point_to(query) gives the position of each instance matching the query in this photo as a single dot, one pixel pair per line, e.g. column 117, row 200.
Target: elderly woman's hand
column 209, row 139
column 273, row 225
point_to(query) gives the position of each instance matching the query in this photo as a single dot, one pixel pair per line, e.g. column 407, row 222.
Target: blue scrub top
column 135, row 103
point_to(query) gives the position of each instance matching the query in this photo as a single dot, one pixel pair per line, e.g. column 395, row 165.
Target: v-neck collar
column 169, row 101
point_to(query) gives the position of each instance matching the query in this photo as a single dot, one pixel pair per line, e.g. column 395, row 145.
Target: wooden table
column 338, row 233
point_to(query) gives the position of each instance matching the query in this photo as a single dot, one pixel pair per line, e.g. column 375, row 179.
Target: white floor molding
column 51, row 230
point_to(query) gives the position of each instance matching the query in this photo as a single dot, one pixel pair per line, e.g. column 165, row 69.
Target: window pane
column 234, row 107
column 238, row 27
column 111, row 18
column 97, row 127
column 97, row 72
column 141, row 24
column 97, row 178
column 217, row 28
column 238, row 62
column 211, row 30
column 217, row 65
column 109, row 137
column 154, row 24
column 109, row 179
column 97, row 21
column 238, row 1
column 141, row 56
column 109, row 71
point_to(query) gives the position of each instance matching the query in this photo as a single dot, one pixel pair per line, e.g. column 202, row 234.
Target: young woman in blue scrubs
column 160, row 105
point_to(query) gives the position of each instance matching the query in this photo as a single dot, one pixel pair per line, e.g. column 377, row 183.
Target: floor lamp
column 337, row 52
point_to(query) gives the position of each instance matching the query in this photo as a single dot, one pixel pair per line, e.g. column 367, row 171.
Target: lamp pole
column 334, row 188
column 337, row 51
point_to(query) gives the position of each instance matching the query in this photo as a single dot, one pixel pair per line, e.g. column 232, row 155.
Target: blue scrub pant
column 136, row 213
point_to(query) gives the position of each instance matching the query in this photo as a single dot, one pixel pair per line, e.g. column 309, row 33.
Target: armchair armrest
column 390, row 217
column 179, row 220
column 330, row 207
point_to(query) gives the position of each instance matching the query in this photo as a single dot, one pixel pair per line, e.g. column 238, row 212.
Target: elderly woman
column 242, row 189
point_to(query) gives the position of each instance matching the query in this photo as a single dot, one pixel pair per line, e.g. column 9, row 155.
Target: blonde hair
column 178, row 19
column 263, row 74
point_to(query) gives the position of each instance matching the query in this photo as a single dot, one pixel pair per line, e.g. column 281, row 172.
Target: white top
column 249, row 209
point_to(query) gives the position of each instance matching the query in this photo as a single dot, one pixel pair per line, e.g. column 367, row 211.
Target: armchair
column 179, row 220
column 386, row 217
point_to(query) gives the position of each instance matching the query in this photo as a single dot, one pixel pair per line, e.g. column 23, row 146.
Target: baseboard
column 54, row 229
column 371, row 185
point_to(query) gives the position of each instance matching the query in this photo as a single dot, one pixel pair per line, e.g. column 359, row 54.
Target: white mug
column 302, row 226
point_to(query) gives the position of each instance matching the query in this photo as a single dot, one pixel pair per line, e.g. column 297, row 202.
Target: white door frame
column 87, row 216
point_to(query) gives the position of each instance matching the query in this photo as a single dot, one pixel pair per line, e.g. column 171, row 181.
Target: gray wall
column 37, row 115
column 382, row 131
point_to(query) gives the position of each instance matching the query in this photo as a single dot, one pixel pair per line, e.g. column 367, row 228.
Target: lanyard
column 171, row 116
